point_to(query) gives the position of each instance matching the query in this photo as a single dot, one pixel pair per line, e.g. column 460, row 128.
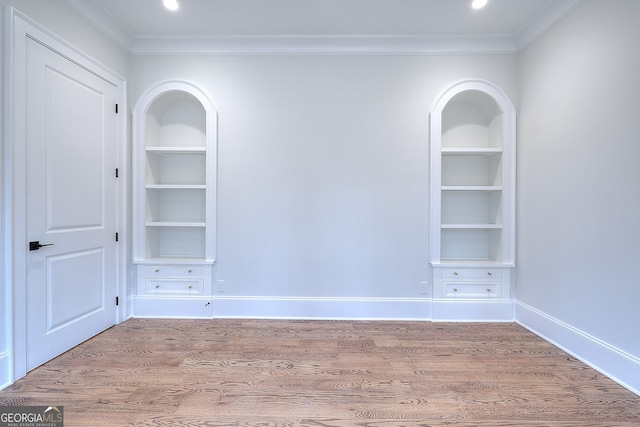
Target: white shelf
column 472, row 196
column 173, row 261
column 176, row 167
column 480, row 243
column 471, row 188
column 174, row 224
column 174, row 130
column 472, row 226
column 175, row 187
column 471, row 169
column 176, row 197
column 174, row 200
column 175, row 241
column 470, row 263
column 176, row 150
column 463, row 151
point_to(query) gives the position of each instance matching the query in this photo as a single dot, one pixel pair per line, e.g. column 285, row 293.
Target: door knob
column 35, row 245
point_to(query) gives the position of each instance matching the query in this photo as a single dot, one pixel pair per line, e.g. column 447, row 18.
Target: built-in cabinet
column 472, row 199
column 472, row 202
column 174, row 157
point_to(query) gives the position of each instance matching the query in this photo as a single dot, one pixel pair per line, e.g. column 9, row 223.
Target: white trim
column 21, row 28
column 613, row 362
column 16, row 253
column 490, row 88
column 553, row 12
column 5, row 371
column 6, row 297
column 265, row 307
column 472, row 311
column 296, row 44
column 324, row 45
column 123, row 266
column 102, row 21
column 346, row 308
column 172, row 308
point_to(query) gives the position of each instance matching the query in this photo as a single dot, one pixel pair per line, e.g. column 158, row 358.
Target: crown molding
column 293, row 44
column 553, row 12
column 103, row 21
column 324, row 45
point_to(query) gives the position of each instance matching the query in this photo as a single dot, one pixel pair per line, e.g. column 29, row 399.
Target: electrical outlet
column 220, row 286
column 424, row 288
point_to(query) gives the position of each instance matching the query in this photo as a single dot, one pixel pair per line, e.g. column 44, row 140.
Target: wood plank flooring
column 149, row 372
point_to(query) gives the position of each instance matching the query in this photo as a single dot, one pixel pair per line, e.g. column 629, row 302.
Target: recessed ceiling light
column 478, row 4
column 171, row 4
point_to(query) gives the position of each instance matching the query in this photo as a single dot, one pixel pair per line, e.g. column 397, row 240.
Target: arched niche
column 472, row 195
column 174, row 159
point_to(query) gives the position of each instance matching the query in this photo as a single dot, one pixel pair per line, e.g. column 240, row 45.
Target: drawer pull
column 489, row 273
column 157, row 286
column 157, row 270
column 189, row 271
column 190, row 286
column 488, row 289
column 455, row 289
column 455, row 273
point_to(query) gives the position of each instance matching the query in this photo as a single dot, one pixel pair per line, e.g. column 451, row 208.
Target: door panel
column 74, row 136
column 70, row 204
column 66, row 305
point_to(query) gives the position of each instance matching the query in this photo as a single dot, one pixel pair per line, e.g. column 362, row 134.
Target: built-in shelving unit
column 472, row 200
column 174, row 128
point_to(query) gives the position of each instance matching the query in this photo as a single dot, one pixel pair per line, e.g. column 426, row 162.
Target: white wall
column 323, row 166
column 56, row 17
column 578, row 193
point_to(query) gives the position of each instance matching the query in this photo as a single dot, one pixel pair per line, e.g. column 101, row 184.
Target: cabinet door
column 472, row 273
column 473, row 290
column 183, row 287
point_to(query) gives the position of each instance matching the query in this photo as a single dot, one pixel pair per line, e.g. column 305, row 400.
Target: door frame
column 18, row 29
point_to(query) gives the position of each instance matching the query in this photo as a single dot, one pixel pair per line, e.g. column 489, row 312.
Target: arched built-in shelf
column 472, row 199
column 174, row 200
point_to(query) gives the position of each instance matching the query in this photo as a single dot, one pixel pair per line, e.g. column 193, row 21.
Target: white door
column 70, row 204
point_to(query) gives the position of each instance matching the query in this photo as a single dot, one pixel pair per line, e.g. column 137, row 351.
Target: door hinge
column 117, row 237
column 116, row 108
column 117, row 172
column 117, row 300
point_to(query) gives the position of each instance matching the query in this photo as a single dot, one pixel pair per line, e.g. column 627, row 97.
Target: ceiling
column 400, row 26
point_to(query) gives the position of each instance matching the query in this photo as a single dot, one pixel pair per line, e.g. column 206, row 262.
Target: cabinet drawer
column 471, row 290
column 175, row 287
column 475, row 273
column 173, row 271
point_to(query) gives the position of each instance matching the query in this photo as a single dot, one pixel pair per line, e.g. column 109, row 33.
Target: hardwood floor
column 147, row 372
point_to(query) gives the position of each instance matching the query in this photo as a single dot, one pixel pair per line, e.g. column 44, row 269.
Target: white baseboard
column 5, row 369
column 279, row 307
column 616, row 364
column 322, row 308
column 472, row 311
column 178, row 308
